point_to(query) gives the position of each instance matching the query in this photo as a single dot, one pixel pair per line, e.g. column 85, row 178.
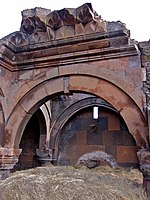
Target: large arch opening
column 109, row 133
column 126, row 107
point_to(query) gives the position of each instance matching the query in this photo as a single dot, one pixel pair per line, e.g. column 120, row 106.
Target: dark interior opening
column 29, row 143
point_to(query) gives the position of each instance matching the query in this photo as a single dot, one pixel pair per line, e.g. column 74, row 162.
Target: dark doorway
column 29, row 143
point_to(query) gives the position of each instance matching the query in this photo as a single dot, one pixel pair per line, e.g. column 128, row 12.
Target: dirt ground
column 70, row 183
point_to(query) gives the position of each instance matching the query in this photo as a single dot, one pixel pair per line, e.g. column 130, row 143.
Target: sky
column 134, row 13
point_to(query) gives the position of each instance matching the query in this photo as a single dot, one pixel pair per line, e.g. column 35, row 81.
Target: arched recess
column 127, row 108
column 70, row 111
column 33, row 138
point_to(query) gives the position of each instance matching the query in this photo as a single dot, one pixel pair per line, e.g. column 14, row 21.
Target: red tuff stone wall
column 109, row 134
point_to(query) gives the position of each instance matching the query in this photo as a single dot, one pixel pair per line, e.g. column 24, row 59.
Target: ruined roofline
column 72, row 33
column 40, row 25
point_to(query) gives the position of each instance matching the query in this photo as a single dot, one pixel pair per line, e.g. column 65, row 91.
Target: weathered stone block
column 127, row 154
column 64, row 32
column 113, row 123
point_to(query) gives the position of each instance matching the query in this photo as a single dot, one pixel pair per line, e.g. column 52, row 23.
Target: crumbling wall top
column 42, row 25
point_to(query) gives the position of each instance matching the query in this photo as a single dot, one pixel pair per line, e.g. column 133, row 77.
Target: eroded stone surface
column 145, row 56
column 93, row 159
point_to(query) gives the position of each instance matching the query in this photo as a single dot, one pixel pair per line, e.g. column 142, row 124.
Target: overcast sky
column 134, row 13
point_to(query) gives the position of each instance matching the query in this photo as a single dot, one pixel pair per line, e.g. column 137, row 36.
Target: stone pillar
column 144, row 158
column 8, row 158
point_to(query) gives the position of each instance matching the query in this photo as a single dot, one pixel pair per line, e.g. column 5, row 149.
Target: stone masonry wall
column 109, row 133
column 145, row 59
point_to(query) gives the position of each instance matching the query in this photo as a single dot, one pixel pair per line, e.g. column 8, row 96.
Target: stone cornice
column 65, row 54
column 70, row 58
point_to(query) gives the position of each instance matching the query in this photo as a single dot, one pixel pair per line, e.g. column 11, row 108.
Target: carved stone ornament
column 59, row 24
column 31, row 24
column 46, row 33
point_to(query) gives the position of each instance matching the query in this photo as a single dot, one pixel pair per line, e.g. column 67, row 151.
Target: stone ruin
column 53, row 72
